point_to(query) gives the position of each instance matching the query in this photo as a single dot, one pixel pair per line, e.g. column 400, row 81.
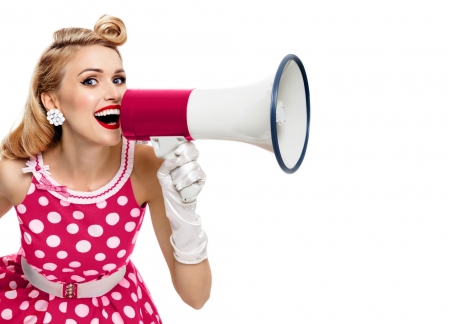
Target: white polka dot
column 33, row 294
column 77, row 278
column 64, row 203
column 121, row 253
column 13, row 284
column 109, row 267
column 112, row 219
column 95, row 230
column 7, row 314
column 2, row 275
column 50, row 266
column 78, row 215
column 132, row 276
column 124, row 283
column 48, row 318
column 105, row 314
column 21, row 208
column 135, row 212
column 43, row 201
column 41, row 305
column 70, row 321
column 134, row 297
column 72, row 228
column 100, row 257
column 130, row 226
column 24, row 305
column 53, row 241
column 139, row 277
column 51, row 297
column 36, row 226
column 122, row 200
column 101, row 205
column 148, row 308
column 12, row 294
column 63, row 307
column 116, row 295
column 90, row 272
column 54, row 217
column 31, row 189
column 30, row 319
column 113, row 242
column 95, row 301
column 67, row 270
column 139, row 292
column 20, row 219
column 39, row 254
column 105, row 301
column 129, row 311
column 116, row 318
column 82, row 310
column 83, row 246
column 61, row 254
column 74, row 264
column 95, row 321
column 50, row 277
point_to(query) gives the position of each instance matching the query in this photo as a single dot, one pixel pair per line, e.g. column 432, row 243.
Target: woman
column 80, row 190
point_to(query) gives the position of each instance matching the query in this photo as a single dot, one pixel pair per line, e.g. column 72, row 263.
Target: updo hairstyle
column 35, row 134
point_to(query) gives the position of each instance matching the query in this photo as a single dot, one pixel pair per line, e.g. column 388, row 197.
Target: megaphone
column 273, row 114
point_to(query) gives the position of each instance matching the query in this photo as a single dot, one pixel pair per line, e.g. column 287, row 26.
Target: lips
column 108, row 117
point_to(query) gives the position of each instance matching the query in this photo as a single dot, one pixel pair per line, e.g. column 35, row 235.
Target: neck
column 83, row 166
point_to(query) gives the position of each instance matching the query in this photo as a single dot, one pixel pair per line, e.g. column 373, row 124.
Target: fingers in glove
column 186, row 152
column 182, row 172
column 195, row 176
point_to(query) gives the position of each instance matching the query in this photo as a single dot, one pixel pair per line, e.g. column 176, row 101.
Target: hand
column 185, row 173
column 188, row 238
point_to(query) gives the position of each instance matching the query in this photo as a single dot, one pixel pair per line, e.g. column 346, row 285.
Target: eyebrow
column 99, row 70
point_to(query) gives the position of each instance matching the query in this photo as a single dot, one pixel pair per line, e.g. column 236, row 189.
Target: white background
column 360, row 234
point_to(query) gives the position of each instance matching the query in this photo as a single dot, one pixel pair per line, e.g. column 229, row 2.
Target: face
column 90, row 95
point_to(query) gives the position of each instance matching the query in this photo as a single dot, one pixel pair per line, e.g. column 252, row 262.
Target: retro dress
column 77, row 237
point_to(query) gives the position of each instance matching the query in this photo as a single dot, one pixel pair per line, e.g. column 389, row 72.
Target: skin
column 88, row 156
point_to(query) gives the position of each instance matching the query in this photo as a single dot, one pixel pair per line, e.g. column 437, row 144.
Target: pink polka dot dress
column 77, row 237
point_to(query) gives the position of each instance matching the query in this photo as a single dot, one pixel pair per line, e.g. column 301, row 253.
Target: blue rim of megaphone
column 273, row 112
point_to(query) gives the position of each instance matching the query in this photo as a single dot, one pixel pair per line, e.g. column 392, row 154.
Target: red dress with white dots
column 71, row 236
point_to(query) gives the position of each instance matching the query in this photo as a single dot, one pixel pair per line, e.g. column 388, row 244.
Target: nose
column 113, row 93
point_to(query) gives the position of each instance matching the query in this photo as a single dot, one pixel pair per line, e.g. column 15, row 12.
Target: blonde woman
column 80, row 191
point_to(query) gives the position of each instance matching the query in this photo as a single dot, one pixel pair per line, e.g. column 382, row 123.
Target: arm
column 14, row 184
column 191, row 281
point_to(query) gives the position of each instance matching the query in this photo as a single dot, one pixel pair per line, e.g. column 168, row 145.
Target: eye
column 90, row 82
column 119, row 80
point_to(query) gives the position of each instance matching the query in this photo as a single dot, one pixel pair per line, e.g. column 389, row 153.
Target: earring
column 55, row 117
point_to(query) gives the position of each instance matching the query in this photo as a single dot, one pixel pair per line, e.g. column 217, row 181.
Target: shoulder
column 14, row 184
column 144, row 179
column 145, row 160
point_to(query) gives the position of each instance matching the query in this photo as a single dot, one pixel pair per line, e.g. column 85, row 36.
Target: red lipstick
column 105, row 125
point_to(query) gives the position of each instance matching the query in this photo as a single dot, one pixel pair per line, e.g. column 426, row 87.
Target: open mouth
column 108, row 117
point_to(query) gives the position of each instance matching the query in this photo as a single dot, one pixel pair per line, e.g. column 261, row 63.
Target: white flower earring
column 55, row 117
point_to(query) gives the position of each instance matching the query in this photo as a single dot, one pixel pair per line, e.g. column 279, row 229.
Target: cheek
column 79, row 102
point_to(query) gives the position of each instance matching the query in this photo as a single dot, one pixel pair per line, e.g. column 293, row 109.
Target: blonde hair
column 35, row 134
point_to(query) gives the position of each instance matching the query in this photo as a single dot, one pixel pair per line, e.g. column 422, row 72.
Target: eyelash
column 85, row 82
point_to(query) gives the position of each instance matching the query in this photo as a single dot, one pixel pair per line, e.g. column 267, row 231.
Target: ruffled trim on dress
column 46, row 182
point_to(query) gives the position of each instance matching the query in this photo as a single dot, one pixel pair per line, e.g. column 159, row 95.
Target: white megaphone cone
column 273, row 114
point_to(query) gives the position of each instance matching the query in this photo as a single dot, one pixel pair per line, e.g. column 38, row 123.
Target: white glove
column 188, row 238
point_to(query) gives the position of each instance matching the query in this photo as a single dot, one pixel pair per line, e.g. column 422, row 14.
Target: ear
column 49, row 100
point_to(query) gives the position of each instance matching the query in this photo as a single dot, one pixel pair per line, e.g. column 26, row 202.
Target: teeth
column 108, row 112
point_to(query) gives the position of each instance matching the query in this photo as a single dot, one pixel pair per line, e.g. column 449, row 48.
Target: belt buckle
column 70, row 290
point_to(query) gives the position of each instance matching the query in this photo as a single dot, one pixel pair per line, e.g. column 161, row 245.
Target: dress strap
column 46, row 182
